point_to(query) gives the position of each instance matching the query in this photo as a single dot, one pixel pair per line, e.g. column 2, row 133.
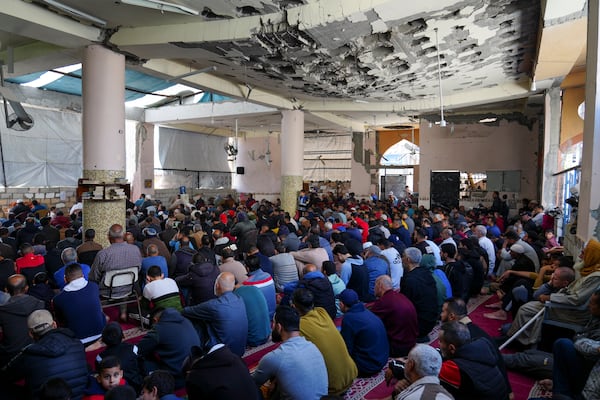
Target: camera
column 397, row 368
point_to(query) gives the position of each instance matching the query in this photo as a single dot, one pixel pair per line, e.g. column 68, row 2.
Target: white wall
column 479, row 148
column 259, row 178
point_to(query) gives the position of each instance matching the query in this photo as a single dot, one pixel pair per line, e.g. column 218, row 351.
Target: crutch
column 517, row 333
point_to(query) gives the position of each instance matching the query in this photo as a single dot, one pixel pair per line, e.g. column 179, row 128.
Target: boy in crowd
column 110, row 375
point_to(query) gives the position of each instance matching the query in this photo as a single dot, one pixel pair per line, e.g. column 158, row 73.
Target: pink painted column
column 292, row 158
column 103, row 123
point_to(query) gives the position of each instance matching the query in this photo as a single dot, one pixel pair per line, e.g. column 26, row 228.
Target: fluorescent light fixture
column 75, row 12
column 162, row 6
column 486, row 120
column 361, row 101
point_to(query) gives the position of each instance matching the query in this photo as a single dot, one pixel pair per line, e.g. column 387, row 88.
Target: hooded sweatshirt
column 220, row 374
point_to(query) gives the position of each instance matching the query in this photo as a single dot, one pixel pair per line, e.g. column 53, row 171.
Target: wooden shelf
column 102, row 191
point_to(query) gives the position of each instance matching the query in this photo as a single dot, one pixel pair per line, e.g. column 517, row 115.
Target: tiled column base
column 100, row 215
column 290, row 186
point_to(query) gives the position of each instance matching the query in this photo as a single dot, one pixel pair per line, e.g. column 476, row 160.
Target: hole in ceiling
column 419, row 41
column 209, row 14
column 417, row 25
column 247, row 10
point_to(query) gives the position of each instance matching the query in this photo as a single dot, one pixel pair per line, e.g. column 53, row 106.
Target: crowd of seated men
column 220, row 276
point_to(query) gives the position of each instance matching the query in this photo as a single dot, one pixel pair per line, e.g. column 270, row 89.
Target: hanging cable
column 437, row 45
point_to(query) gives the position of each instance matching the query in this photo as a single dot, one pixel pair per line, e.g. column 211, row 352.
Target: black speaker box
column 240, row 170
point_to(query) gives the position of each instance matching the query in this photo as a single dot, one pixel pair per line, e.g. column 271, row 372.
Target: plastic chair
column 121, row 289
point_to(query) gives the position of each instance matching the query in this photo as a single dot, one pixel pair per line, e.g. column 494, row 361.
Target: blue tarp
column 72, row 84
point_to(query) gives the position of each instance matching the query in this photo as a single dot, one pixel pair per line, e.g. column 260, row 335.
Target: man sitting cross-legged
column 78, row 307
column 316, row 325
column 297, row 366
column 470, row 368
column 455, row 309
column 168, row 344
column 398, row 315
column 13, row 317
column 364, row 334
column 162, row 292
column 222, row 320
column 68, row 257
column 421, row 372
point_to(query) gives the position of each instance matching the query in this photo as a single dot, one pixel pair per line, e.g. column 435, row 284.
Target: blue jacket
column 224, row 319
column 169, row 341
column 366, row 339
column 56, row 354
column 376, row 266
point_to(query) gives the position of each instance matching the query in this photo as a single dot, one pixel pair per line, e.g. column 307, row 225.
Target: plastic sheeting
column 190, row 159
column 49, row 154
column 328, row 158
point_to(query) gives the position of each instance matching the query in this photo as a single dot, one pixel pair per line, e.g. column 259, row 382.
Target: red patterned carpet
column 373, row 388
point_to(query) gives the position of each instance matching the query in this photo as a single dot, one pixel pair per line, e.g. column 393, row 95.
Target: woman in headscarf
column 581, row 289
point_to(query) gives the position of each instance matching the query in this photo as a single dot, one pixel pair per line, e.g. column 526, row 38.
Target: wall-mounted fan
column 18, row 120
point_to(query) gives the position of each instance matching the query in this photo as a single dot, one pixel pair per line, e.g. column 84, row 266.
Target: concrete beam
column 306, row 16
column 505, row 91
column 167, row 69
column 41, row 57
column 190, row 112
column 343, row 123
column 29, row 20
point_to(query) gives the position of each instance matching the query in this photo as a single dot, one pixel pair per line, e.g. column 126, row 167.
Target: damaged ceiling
column 349, row 62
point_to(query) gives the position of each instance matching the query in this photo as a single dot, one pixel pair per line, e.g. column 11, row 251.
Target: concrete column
column 144, row 160
column 550, row 192
column 103, row 121
column 292, row 158
column 588, row 218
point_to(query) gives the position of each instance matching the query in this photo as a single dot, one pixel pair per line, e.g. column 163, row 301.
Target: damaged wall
column 479, row 148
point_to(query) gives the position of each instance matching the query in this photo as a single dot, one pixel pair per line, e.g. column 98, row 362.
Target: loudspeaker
column 240, row 170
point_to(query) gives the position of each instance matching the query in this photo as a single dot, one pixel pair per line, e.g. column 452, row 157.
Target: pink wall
column 478, row 148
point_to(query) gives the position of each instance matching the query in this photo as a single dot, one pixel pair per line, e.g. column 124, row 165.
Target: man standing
column 222, row 320
column 13, row 317
column 364, row 334
column 316, row 325
column 398, row 315
column 297, row 365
